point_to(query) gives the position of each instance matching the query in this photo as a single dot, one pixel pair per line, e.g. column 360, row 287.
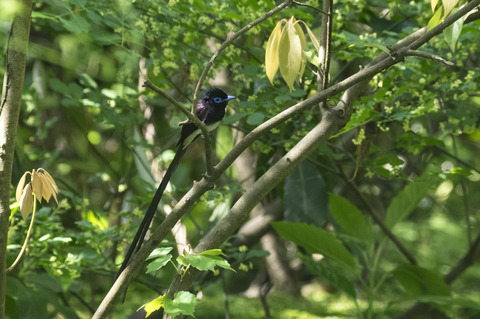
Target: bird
column 210, row 110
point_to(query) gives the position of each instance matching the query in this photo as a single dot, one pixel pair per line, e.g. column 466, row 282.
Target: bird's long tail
column 147, row 219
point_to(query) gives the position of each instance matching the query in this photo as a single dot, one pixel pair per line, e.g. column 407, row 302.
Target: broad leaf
column 161, row 257
column 315, row 240
column 305, row 198
column 206, row 260
column 419, row 281
column 26, row 201
column 350, row 218
column 154, row 305
column 291, row 55
column 312, row 37
column 183, row 303
column 329, row 273
column 452, row 32
column 435, row 20
column 271, row 54
column 303, row 42
column 407, row 199
column 448, row 5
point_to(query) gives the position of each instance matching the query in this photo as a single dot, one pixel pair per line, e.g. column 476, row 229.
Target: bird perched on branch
column 210, row 110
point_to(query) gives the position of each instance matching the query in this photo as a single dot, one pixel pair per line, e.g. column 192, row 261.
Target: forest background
column 342, row 187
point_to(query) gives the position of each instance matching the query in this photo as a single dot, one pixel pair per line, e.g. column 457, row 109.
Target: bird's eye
column 217, row 100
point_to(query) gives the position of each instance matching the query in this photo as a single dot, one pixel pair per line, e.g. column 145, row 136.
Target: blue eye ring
column 217, row 100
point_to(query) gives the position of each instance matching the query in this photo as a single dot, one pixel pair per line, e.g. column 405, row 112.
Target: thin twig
column 325, row 49
column 431, row 56
column 464, row 196
column 315, row 8
column 456, row 158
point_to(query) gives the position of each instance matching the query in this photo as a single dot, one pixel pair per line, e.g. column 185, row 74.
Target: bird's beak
column 230, row 97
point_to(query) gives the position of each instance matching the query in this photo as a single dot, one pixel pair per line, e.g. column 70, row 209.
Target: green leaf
column 434, row 4
column 255, row 118
column 154, row 305
column 183, row 303
column 407, row 199
column 291, row 56
column 161, row 257
column 315, row 241
column 329, row 273
column 271, row 53
column 76, row 24
column 204, row 261
column 58, row 86
column 87, row 80
column 452, row 33
column 419, row 281
column 234, row 118
column 44, row 15
column 349, row 217
column 305, row 197
column 435, row 20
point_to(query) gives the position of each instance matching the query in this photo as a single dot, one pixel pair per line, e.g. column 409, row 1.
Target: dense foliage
column 408, row 156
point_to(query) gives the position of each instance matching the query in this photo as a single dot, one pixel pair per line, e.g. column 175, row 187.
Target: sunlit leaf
column 52, row 183
column 312, row 36
column 271, row 54
column 26, row 201
column 37, row 185
column 46, row 187
column 435, row 20
column 154, row 305
column 20, row 185
column 303, row 42
column 434, row 4
column 448, row 5
column 290, row 53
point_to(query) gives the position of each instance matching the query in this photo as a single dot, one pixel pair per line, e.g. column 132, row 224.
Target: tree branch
column 431, row 56
column 332, row 120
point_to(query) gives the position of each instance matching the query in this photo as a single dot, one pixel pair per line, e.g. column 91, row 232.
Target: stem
column 26, row 238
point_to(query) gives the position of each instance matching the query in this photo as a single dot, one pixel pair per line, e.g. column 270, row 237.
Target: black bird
column 210, row 110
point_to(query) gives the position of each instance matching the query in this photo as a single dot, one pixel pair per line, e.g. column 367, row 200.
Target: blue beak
column 230, row 97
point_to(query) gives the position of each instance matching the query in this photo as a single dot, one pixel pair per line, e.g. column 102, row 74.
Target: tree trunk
column 9, row 112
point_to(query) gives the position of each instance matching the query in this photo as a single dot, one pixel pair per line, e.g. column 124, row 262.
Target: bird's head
column 216, row 98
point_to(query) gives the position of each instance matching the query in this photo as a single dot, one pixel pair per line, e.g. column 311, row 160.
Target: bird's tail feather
column 147, row 219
